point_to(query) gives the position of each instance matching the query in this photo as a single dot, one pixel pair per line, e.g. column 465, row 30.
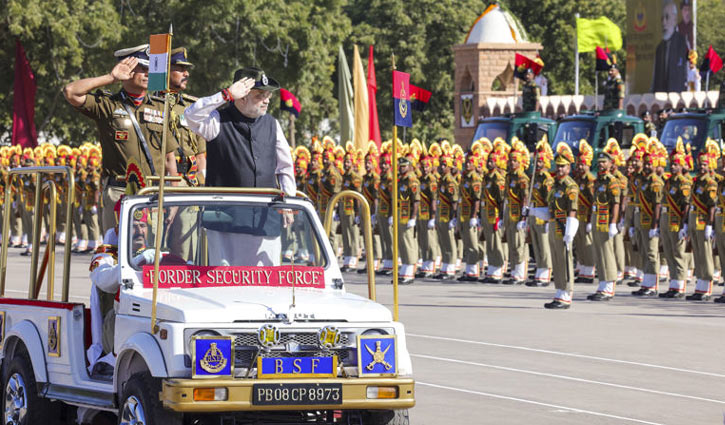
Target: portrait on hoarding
column 670, row 65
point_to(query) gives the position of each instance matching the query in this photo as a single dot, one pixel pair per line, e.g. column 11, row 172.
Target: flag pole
column 292, row 130
column 596, row 91
column 394, row 199
column 576, row 59
column 162, row 183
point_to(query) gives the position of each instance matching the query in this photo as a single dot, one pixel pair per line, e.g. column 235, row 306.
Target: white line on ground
column 561, row 353
column 522, row 400
column 569, row 378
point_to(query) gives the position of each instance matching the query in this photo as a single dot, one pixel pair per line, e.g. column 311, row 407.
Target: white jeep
column 250, row 323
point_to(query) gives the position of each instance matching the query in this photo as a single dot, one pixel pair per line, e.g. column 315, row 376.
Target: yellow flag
column 602, row 32
column 360, row 88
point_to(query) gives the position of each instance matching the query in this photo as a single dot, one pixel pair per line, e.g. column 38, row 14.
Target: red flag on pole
column 711, row 62
column 289, row 102
column 24, row 133
column 372, row 103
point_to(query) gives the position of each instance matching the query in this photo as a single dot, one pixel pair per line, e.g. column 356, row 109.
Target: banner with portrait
column 660, row 34
column 467, row 115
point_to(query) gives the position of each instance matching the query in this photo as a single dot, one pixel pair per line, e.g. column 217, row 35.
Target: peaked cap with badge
column 261, row 81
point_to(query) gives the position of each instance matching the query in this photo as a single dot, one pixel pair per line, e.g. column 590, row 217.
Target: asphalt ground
column 491, row 354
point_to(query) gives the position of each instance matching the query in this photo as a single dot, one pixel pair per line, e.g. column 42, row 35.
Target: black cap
column 179, row 57
column 403, row 161
column 261, row 81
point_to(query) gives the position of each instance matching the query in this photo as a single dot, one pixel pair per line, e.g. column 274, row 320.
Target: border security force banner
column 660, row 34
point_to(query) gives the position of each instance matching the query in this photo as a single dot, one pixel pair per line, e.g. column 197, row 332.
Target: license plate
column 296, row 367
column 296, row 394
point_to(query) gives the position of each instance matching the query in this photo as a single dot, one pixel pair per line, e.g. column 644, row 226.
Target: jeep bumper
column 179, row 394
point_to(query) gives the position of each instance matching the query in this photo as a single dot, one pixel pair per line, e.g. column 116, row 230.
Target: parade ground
column 491, row 354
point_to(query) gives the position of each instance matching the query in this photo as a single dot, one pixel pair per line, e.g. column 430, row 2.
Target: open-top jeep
column 249, row 322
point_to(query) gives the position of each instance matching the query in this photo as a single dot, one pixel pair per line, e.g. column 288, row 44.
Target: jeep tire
column 139, row 403
column 387, row 417
column 21, row 403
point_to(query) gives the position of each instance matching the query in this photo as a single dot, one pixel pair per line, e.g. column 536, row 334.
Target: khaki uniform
column 702, row 199
column 516, row 192
column 347, row 211
column 409, row 195
column 633, row 258
column 370, row 188
column 677, row 195
column 606, row 195
column 120, row 143
column 543, row 182
column 650, row 196
column 470, row 189
column 427, row 236
column 385, row 211
column 613, row 92
column 562, row 201
column 619, row 250
column 91, row 185
column 448, row 196
column 530, row 94
column 494, row 192
column 330, row 184
column 583, row 239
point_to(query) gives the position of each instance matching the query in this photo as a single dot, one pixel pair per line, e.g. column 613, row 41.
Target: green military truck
column 694, row 127
column 596, row 127
column 529, row 127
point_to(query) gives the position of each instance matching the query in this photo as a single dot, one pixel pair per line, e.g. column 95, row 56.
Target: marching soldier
column 631, row 208
column 613, row 88
column 703, row 201
column 517, row 190
column 470, row 189
column 673, row 225
column 494, row 193
column 530, row 92
column 130, row 124
column 384, row 213
column 543, row 182
column 330, row 183
column 619, row 252
column 650, row 203
column 409, row 201
column 606, row 216
column 347, row 212
column 584, row 238
column 427, row 237
column 370, row 189
column 448, row 190
column 561, row 213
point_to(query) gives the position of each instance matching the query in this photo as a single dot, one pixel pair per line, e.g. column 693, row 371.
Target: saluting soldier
column 607, row 200
column 448, row 197
column 370, row 189
column 347, row 211
column 470, row 189
column 409, row 200
column 530, row 92
column 584, row 237
column 650, row 203
column 613, row 88
column 543, row 182
column 673, row 227
column 561, row 213
column 427, row 236
column 494, row 194
column 516, row 192
column 130, row 124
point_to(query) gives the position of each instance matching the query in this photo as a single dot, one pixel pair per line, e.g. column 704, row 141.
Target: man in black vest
column 245, row 147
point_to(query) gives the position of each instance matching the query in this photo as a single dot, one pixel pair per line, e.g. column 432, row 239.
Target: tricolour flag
column 160, row 46
column 401, row 98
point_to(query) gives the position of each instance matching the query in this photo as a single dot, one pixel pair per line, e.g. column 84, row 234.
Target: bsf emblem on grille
column 213, row 360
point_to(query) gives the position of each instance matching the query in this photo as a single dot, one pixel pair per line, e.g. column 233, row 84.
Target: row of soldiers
column 85, row 162
column 477, row 212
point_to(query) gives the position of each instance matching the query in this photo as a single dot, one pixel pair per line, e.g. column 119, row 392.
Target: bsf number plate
column 296, row 394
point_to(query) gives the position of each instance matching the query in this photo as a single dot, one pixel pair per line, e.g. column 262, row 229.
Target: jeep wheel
column 21, row 404
column 140, row 403
column 387, row 417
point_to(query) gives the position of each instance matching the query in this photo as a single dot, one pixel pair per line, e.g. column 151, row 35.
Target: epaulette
column 157, row 98
column 189, row 97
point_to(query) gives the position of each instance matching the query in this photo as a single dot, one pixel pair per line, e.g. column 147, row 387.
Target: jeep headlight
column 203, row 332
column 371, row 332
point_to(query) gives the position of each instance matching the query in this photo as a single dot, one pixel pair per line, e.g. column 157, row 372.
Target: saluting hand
column 241, row 88
column 123, row 70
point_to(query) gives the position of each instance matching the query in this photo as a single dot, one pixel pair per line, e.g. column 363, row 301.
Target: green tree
column 710, row 32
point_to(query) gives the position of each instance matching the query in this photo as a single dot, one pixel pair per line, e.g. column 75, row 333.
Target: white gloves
column 94, row 210
column 390, row 220
column 572, row 225
column 357, row 219
column 147, row 256
column 620, row 225
column 613, row 230
column 452, row 223
column 373, row 219
column 524, row 211
column 335, row 216
column 431, row 224
column 411, row 223
column 546, row 227
column 521, row 225
column 540, row 212
column 473, row 222
column 708, row 232
column 589, row 228
column 654, row 233
column 631, row 232
column 683, row 231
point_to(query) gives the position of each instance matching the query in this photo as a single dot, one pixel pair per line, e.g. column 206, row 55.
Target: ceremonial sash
column 515, row 206
column 385, row 204
column 404, row 210
column 491, row 208
column 584, row 207
column 603, row 217
column 325, row 196
column 444, row 210
column 424, row 207
column 676, row 213
column 645, row 219
column 700, row 213
column 633, row 194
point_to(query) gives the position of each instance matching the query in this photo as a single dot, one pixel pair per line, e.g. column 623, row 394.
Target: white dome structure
column 496, row 25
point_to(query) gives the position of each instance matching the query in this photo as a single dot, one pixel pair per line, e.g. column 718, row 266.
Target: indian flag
column 160, row 46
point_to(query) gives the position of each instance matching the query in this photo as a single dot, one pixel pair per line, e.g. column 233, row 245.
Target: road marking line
column 538, row 403
column 560, row 353
column 569, row 378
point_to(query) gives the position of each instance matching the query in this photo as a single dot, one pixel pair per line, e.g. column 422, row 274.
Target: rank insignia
column 121, row 135
column 54, row 336
column 377, row 355
column 213, row 357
